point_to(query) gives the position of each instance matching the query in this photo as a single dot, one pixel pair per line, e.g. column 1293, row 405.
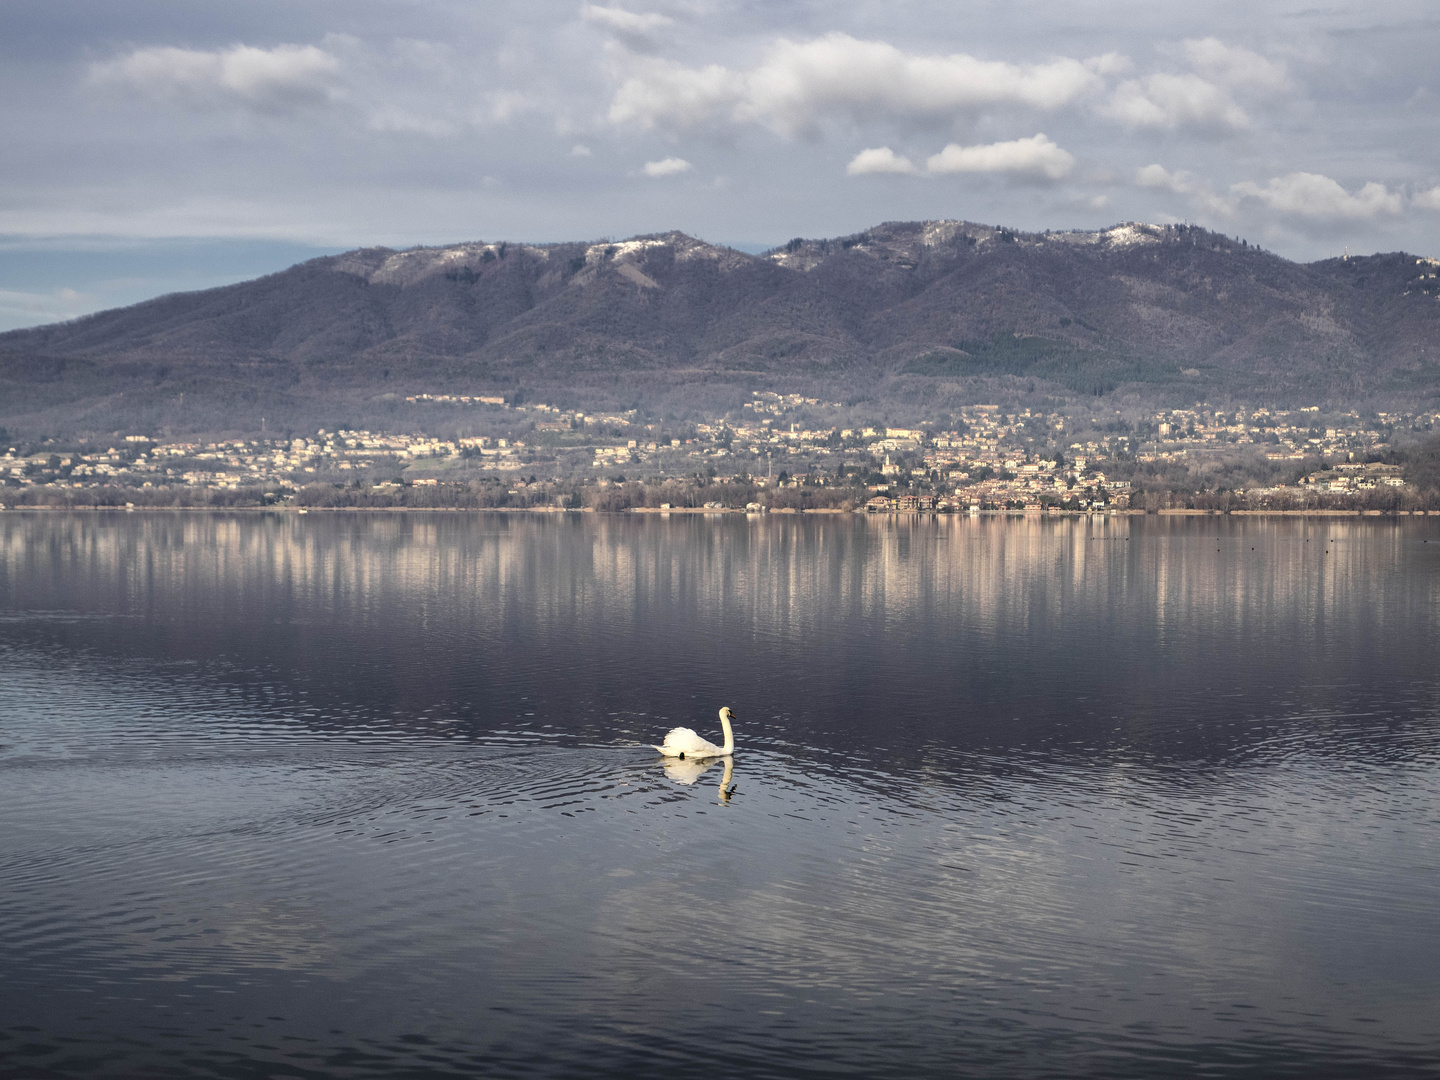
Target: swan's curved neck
column 729, row 734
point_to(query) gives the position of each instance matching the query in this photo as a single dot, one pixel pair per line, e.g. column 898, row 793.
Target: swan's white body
column 681, row 742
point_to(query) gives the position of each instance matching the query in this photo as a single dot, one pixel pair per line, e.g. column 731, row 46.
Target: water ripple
column 396, row 813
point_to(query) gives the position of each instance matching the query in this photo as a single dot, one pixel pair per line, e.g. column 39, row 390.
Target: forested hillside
column 906, row 312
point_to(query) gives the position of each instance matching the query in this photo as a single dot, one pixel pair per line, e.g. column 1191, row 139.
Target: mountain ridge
column 902, row 312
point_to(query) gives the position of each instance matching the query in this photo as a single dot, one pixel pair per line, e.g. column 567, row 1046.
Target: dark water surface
column 370, row 796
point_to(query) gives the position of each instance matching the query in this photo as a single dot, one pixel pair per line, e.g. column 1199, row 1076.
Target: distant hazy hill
column 908, row 311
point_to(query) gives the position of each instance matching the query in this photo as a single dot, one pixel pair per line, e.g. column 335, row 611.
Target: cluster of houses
column 980, row 456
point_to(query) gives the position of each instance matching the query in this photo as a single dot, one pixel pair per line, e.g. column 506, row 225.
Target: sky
column 159, row 145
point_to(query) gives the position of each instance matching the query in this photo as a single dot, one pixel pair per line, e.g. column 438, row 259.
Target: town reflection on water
column 1013, row 624
column 780, row 573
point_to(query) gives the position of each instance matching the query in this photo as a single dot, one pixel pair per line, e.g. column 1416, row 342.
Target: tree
column 1423, row 468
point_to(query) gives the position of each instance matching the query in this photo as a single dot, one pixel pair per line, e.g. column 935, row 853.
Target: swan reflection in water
column 685, row 771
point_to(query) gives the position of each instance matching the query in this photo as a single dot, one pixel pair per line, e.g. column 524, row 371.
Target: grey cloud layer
column 352, row 123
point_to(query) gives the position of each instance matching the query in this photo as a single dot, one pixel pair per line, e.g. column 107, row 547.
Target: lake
column 371, row 795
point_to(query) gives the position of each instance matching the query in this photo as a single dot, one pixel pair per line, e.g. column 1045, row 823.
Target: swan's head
column 726, row 714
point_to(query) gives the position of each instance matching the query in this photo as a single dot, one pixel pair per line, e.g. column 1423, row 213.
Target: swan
column 681, row 742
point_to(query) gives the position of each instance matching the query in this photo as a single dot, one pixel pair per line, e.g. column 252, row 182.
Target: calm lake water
column 371, row 796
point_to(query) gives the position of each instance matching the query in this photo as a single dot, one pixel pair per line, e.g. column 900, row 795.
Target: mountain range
column 903, row 313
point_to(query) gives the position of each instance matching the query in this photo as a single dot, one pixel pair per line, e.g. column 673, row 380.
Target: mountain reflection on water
column 354, row 795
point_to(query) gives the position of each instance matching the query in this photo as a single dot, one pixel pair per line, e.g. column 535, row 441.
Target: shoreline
column 697, row 510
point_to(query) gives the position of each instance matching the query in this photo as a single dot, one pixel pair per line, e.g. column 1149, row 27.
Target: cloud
column 1183, row 183
column 626, row 22
column 879, row 160
column 1235, row 67
column 1175, row 101
column 278, row 80
column 671, row 166
column 580, row 150
column 798, row 84
column 1157, row 176
column 668, row 94
column 1035, row 156
column 1428, row 200
column 1112, row 63
column 507, row 105
column 1201, row 99
column 1311, row 195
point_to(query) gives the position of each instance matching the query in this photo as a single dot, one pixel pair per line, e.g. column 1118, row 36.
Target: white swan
column 681, row 742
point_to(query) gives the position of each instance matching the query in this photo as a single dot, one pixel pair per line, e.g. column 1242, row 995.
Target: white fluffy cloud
column 1300, row 194
column 1183, row 183
column 1203, row 98
column 629, row 22
column 275, row 80
column 1157, row 176
column 670, row 166
column 1310, row 195
column 1230, row 65
column 1173, row 101
column 881, row 159
column 798, row 84
column 1036, row 156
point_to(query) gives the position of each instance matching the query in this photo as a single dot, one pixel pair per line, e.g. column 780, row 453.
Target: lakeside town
column 776, row 452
